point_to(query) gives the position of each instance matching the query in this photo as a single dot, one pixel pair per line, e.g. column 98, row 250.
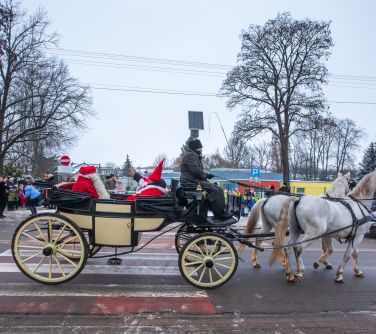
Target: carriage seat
column 71, row 199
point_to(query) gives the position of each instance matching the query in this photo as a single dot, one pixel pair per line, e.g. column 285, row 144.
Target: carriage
column 53, row 248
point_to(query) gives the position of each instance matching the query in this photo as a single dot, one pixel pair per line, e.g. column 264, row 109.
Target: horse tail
column 252, row 220
column 280, row 231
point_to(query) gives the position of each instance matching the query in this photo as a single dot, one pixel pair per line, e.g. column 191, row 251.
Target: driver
column 192, row 174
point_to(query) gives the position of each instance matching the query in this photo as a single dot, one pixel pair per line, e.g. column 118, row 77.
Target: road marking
column 90, row 269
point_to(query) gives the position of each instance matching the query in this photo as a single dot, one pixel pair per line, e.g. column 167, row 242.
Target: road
column 146, row 294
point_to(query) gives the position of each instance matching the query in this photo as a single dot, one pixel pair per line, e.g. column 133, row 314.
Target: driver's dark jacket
column 192, row 173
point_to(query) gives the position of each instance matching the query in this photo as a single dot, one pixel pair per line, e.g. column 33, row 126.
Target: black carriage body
column 115, row 223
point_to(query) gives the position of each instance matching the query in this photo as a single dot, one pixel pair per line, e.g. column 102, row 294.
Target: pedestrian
column 12, row 194
column 285, row 188
column 3, row 196
column 22, row 199
column 270, row 191
column 33, row 197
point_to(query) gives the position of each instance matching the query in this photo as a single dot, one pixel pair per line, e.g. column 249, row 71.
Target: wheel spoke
column 32, row 238
column 66, row 241
column 40, row 232
column 202, row 275
column 199, row 249
column 32, row 257
column 59, row 265
column 195, row 271
column 50, row 232
column 66, row 258
column 50, row 267
column 206, row 247
column 223, row 258
column 216, row 270
column 193, row 255
column 59, row 235
column 210, row 276
column 221, row 251
column 30, row 247
column 66, row 252
column 39, row 264
column 215, row 244
column 187, row 264
column 222, row 265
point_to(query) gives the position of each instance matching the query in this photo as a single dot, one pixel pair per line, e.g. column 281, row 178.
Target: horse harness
column 355, row 221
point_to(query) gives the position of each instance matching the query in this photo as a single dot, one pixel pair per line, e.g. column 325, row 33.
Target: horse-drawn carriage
column 53, row 248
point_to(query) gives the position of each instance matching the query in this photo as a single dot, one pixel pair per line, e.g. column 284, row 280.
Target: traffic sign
column 65, row 169
column 65, row 160
column 255, row 171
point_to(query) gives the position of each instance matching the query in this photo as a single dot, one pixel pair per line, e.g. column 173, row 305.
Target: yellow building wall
column 310, row 187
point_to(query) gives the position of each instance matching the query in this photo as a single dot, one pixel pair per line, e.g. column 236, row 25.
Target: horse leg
column 358, row 272
column 345, row 259
column 255, row 264
column 327, row 250
column 288, row 251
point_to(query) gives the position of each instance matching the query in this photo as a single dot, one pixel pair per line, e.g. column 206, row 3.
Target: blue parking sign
column 255, row 171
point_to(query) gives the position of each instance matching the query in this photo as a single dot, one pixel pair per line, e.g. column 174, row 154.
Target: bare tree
column 159, row 158
column 262, row 154
column 39, row 101
column 215, row 160
column 278, row 79
column 236, row 151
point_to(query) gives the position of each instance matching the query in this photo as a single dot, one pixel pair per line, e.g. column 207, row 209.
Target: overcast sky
column 146, row 124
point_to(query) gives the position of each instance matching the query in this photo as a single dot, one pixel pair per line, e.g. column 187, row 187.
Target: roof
column 230, row 174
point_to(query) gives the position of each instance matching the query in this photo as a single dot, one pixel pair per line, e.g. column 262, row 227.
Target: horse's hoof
column 329, row 266
column 339, row 281
column 316, row 265
column 360, row 275
column 297, row 278
column 257, row 266
column 291, row 280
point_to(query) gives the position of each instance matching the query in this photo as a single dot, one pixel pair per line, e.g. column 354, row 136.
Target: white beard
column 98, row 185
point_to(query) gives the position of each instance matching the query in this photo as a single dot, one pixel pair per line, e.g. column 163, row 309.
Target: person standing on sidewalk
column 3, row 196
column 33, row 197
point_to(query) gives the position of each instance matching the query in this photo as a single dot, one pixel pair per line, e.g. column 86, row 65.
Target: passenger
column 192, row 174
column 153, row 185
column 88, row 181
column 33, row 197
column 109, row 183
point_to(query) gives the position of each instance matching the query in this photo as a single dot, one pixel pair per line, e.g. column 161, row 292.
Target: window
column 300, row 191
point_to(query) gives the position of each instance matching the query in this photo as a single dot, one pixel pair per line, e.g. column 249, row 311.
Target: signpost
column 65, row 167
column 255, row 172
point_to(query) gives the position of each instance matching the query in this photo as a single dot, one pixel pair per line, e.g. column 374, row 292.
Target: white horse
column 269, row 210
column 317, row 216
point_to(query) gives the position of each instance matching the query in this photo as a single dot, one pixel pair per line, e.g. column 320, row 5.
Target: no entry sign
column 65, row 160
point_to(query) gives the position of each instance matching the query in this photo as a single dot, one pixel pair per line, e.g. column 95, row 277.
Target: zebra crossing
column 145, row 281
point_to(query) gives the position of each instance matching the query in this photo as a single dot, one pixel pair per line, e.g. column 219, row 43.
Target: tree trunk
column 285, row 159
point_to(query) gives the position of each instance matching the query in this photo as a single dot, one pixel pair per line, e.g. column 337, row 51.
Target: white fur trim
column 98, row 185
column 165, row 191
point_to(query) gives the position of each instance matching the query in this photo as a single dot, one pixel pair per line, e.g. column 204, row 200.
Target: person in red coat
column 88, row 181
column 150, row 186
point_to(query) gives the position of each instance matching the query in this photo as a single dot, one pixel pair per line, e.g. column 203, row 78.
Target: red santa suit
column 88, row 181
column 148, row 188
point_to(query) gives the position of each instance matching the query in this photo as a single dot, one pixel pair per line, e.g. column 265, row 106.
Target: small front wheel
column 208, row 260
column 183, row 234
column 49, row 248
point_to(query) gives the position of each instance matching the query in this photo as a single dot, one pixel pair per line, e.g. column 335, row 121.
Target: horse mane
column 338, row 187
column 365, row 187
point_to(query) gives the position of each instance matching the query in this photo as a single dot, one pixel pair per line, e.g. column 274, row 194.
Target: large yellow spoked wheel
column 208, row 260
column 49, row 248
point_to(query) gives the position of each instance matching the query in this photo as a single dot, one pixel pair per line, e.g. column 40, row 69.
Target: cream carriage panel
column 113, row 231
column 113, row 208
column 147, row 224
column 83, row 221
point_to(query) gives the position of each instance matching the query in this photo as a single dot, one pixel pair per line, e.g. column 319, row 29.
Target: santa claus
column 152, row 185
column 88, row 181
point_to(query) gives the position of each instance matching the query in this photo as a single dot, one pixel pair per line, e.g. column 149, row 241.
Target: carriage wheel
column 215, row 260
column 182, row 236
column 75, row 243
column 43, row 246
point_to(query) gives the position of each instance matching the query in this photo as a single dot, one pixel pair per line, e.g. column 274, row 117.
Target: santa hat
column 156, row 174
column 87, row 170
